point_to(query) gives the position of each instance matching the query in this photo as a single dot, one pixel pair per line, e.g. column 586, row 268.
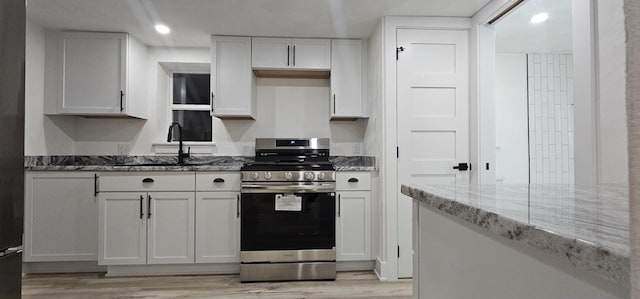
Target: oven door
column 287, row 221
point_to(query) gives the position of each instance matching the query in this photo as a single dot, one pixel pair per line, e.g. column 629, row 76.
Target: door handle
column 353, row 180
column 339, row 204
column 288, row 51
column 294, row 55
column 238, row 206
column 218, row 180
column 149, row 206
column 141, row 212
column 148, row 180
column 462, row 166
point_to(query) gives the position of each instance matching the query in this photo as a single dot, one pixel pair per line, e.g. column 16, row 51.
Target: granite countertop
column 145, row 163
column 586, row 226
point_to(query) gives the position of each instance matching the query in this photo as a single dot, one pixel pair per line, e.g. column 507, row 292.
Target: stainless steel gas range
column 288, row 210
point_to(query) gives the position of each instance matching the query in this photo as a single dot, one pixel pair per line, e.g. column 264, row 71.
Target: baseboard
column 62, row 267
column 354, row 266
column 378, row 269
column 178, row 269
column 157, row 270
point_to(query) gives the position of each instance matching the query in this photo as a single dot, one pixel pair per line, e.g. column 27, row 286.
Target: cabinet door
column 346, row 78
column 353, row 226
column 93, row 72
column 122, row 225
column 271, row 53
column 217, row 227
column 171, row 220
column 60, row 217
column 311, row 54
column 232, row 80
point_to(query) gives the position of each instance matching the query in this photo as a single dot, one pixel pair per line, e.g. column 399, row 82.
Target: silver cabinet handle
column 339, row 204
column 238, row 206
column 288, row 52
column 294, row 55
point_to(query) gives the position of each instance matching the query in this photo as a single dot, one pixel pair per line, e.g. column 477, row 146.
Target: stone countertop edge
column 581, row 254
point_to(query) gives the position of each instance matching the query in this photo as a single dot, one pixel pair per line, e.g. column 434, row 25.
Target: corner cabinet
column 146, row 219
column 60, row 217
column 290, row 54
column 347, row 86
column 353, row 221
column 233, row 83
column 95, row 73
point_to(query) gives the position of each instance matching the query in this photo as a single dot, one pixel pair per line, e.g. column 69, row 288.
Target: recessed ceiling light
column 162, row 29
column 539, row 18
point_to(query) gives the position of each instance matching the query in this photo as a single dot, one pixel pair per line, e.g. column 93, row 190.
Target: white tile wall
column 551, row 158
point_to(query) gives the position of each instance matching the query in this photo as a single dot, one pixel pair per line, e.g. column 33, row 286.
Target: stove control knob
column 267, row 175
column 288, row 175
column 308, row 176
column 255, row 175
column 321, row 176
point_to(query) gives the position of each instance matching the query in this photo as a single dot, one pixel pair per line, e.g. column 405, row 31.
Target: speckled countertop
column 586, row 226
column 144, row 163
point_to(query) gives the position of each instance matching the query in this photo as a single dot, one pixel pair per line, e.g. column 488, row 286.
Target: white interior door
column 433, row 118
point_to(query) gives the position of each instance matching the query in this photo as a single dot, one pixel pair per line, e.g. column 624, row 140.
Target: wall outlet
column 123, row 149
column 357, row 149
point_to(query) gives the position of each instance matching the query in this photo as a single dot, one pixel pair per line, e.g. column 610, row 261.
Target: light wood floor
column 347, row 285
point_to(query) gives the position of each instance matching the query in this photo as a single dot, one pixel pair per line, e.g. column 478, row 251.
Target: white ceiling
column 193, row 21
column 514, row 33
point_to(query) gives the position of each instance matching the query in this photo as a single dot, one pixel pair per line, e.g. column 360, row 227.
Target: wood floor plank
column 77, row 286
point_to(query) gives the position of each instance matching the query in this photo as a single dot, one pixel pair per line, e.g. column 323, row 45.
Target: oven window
column 264, row 228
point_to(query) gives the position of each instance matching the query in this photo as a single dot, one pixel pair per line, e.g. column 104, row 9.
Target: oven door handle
column 288, row 187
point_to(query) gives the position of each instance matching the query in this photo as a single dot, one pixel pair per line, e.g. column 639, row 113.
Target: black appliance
column 12, row 53
column 288, row 211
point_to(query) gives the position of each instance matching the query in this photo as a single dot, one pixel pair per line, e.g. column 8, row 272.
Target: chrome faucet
column 181, row 154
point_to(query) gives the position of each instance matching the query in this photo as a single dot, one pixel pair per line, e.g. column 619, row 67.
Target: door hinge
column 397, row 152
column 398, row 50
column 398, row 251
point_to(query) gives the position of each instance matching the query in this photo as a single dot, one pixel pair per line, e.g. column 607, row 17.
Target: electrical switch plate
column 123, row 149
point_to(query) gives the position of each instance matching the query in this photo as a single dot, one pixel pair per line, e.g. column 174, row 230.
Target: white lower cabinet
column 171, row 228
column 146, row 228
column 353, row 221
column 60, row 217
column 353, row 226
column 123, row 228
column 217, row 227
column 144, row 225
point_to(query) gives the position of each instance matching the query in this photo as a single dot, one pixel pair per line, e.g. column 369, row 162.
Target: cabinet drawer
column 152, row 181
column 359, row 181
column 218, row 181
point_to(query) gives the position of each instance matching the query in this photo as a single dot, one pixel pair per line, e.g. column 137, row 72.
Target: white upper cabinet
column 94, row 73
column 270, row 53
column 347, row 99
column 233, row 84
column 311, row 54
column 284, row 54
